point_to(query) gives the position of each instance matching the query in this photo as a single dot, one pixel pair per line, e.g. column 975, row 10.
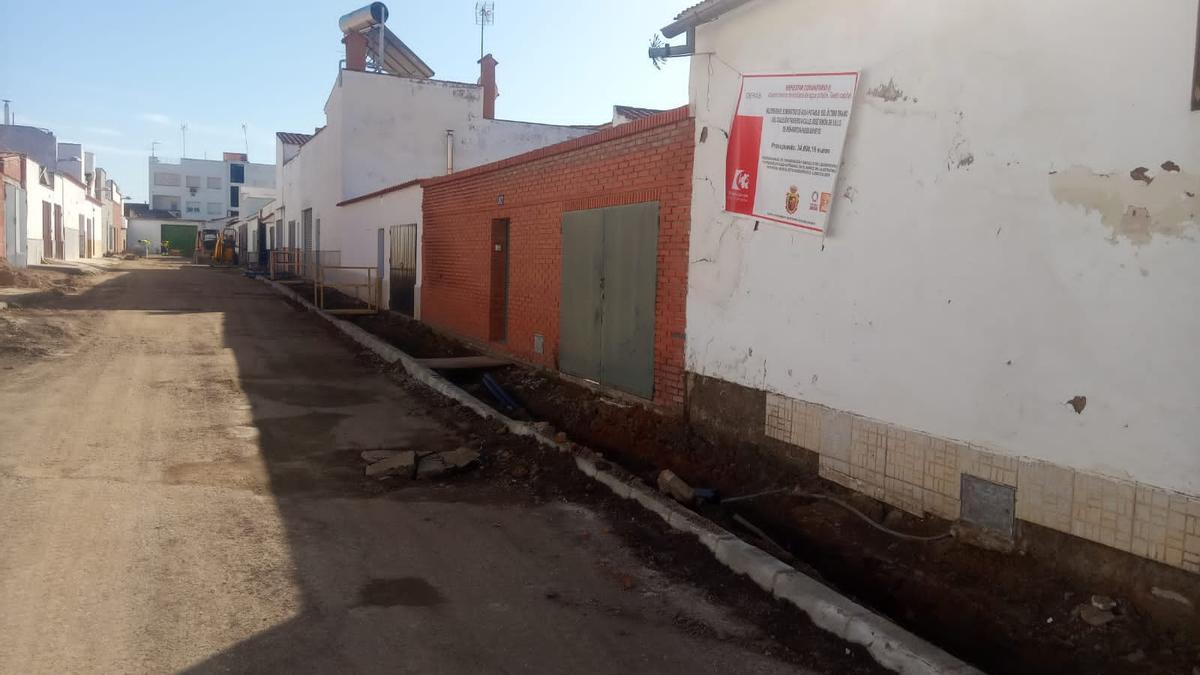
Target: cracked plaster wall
column 991, row 253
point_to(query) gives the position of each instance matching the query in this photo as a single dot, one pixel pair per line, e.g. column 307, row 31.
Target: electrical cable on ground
column 870, row 521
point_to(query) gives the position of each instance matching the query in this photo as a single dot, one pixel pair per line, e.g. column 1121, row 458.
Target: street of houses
column 955, row 291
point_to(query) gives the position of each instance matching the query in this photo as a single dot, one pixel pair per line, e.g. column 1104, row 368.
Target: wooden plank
column 463, row 362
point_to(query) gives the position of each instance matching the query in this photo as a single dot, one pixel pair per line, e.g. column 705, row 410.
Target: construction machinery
column 225, row 252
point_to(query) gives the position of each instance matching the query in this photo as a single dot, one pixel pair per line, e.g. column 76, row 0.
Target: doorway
column 498, row 300
column 402, row 269
column 606, row 312
column 60, row 239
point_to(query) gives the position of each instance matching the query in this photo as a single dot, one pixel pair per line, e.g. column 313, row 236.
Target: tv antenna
column 246, row 139
column 183, row 130
column 485, row 15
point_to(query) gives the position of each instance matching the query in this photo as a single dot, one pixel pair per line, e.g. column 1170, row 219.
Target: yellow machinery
column 226, row 250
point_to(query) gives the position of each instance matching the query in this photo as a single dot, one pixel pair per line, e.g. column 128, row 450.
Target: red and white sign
column 785, row 146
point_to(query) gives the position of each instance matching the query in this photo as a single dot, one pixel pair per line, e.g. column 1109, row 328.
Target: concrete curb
column 890, row 645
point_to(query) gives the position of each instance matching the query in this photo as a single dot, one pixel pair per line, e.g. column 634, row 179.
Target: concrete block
column 652, row 501
column 587, row 466
column 890, row 645
column 744, row 558
column 400, row 463
column 619, row 487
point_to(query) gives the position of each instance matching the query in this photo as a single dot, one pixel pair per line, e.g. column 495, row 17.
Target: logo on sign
column 741, row 180
column 791, row 202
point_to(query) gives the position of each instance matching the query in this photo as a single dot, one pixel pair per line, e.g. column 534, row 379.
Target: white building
column 203, row 189
column 63, row 198
column 1008, row 288
column 385, row 128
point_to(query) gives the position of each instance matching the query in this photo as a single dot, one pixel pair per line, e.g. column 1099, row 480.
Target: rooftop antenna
column 7, row 119
column 485, row 15
column 246, row 139
column 183, row 130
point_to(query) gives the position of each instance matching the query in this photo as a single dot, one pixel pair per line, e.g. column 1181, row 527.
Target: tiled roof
column 289, row 138
column 630, row 112
column 700, row 13
column 698, row 5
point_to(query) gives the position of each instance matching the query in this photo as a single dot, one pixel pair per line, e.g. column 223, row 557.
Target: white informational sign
column 785, row 146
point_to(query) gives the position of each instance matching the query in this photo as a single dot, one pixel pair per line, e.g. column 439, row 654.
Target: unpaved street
column 180, row 491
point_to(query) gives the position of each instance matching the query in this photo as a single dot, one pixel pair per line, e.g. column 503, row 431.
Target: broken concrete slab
column 373, row 456
column 401, row 463
column 439, row 463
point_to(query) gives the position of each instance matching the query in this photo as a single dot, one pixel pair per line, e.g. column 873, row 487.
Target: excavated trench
column 1001, row 612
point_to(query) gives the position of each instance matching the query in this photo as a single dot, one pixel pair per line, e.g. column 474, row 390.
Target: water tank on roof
column 373, row 14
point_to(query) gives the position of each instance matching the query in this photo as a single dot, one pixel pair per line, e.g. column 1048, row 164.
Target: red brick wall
column 647, row 160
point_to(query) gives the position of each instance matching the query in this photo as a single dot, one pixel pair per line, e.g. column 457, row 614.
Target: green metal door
column 609, row 272
column 181, row 237
column 580, row 303
column 630, row 270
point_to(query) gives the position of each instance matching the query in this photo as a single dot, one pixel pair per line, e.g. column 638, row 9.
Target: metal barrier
column 284, row 264
column 343, row 278
column 311, row 261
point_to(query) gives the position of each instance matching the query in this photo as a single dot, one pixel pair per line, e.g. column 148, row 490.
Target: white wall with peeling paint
column 986, row 261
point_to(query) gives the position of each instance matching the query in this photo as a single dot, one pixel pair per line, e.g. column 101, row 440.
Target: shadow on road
column 317, row 569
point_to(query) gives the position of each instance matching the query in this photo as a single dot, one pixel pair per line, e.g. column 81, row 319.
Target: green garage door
column 606, row 321
column 182, row 238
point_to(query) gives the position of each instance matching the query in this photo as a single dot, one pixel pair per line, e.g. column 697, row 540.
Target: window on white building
column 166, row 179
column 214, row 182
column 193, row 207
column 215, row 208
column 164, row 203
column 193, row 181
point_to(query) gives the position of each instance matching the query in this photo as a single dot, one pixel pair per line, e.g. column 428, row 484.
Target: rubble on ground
column 400, row 463
column 407, row 463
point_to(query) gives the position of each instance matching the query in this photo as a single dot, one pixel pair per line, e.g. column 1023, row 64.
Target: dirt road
column 180, row 490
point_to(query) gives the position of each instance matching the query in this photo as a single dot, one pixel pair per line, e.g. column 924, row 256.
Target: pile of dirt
column 31, row 336
column 13, row 277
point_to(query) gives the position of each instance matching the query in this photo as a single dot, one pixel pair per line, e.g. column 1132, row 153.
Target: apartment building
column 205, row 189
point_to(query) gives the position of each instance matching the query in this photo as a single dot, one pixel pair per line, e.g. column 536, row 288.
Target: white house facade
column 998, row 296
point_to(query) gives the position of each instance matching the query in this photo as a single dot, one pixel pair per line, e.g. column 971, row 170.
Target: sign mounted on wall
column 785, row 146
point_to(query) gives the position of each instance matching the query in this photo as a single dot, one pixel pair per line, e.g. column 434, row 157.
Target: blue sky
column 116, row 76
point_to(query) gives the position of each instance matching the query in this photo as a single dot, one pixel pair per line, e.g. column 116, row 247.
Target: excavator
column 225, row 253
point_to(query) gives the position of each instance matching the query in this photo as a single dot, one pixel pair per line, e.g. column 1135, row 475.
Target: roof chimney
column 356, row 51
column 487, row 77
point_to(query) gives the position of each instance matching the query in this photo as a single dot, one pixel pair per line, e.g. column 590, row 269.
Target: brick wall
column 647, row 160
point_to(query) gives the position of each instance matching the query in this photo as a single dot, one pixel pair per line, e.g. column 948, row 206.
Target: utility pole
column 485, row 15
